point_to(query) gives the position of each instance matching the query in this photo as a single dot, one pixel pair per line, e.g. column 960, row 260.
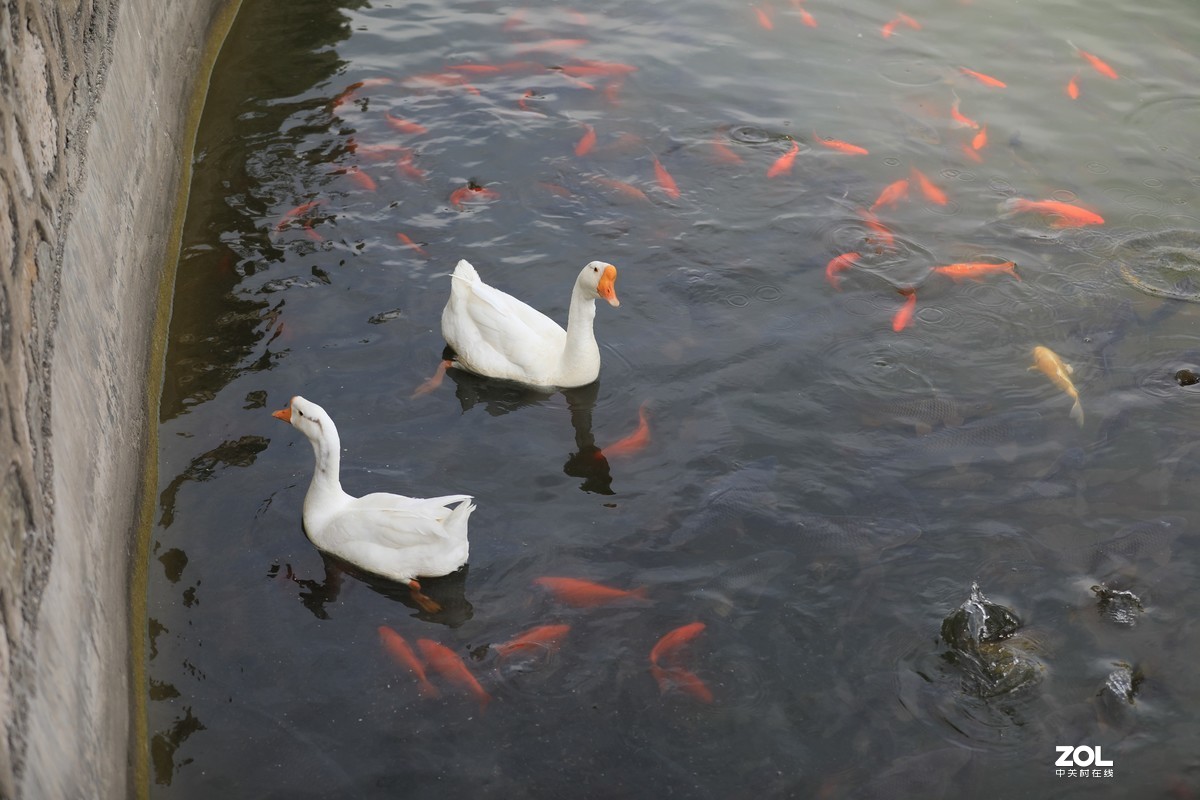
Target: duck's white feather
column 493, row 333
column 385, row 534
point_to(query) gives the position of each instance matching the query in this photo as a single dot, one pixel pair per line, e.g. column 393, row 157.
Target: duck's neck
column 326, row 485
column 581, row 357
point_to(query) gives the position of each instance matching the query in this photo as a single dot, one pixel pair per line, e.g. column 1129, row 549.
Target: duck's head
column 306, row 416
column 601, row 277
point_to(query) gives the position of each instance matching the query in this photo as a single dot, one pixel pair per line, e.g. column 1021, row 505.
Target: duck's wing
column 393, row 520
column 496, row 334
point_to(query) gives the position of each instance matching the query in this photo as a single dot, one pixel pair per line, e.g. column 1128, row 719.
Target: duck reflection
column 501, row 397
column 449, row 604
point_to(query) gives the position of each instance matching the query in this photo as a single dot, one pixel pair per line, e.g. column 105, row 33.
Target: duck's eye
column 595, row 269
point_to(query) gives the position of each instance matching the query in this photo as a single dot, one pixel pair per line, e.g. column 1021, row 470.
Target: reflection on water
column 774, row 460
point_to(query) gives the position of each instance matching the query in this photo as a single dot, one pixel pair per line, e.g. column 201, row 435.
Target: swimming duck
column 496, row 335
column 389, row 535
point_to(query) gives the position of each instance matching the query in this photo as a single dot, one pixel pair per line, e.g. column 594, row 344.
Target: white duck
column 390, row 535
column 496, row 335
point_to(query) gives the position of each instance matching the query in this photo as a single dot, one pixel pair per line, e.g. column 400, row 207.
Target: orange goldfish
column 310, row 233
column 298, row 211
column 764, row 19
column 665, row 180
column 807, row 18
column 1059, row 372
column 975, row 270
column 405, row 165
column 627, row 190
column 971, row 153
column 960, row 118
column 451, row 666
column 986, row 80
column 1064, row 215
column 901, row 19
column 668, row 645
column 404, row 125
column 634, row 441
column 840, row 146
column 678, row 677
column 980, row 140
column 587, row 142
column 470, row 193
column 543, row 637
column 1099, row 65
column 722, row 153
column 884, row 234
column 891, row 194
column 528, row 94
column 361, row 178
column 404, row 238
column 584, row 68
column 932, row 193
column 905, row 314
column 552, row 46
column 1073, row 87
column 476, row 69
column 783, row 164
column 585, row 594
column 843, row 262
column 612, row 91
column 378, row 152
column 399, row 650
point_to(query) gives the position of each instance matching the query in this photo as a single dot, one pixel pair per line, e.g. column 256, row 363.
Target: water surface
column 820, row 490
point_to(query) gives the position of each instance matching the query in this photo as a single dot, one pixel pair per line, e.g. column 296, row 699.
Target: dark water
column 819, row 490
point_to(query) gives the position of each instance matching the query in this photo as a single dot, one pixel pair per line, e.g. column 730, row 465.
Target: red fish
column 399, row 650
column 585, row 594
column 905, row 314
column 298, row 211
column 627, row 190
column 961, row 118
column 840, row 146
column 690, row 683
column 476, row 69
column 975, row 270
column 552, row 46
column 587, row 68
column 528, row 94
column 543, row 637
column 379, row 152
column 451, row 666
column 764, row 19
column 612, row 91
column 1099, row 65
column 634, row 441
column 986, row 80
column 449, row 79
column 587, row 142
column 310, row 233
column 361, row 178
column 1073, row 87
column 807, row 18
column 471, row 193
column 1065, row 215
column 404, row 125
column 980, row 140
column 668, row 645
column 404, row 238
column 665, row 180
column 839, row 264
column 405, row 165
column 901, row 19
column 891, row 194
column 882, row 231
column 783, row 164
column 932, row 193
column 972, row 153
column 722, row 153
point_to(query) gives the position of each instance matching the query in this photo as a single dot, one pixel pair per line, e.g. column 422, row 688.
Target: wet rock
column 1120, row 606
column 984, row 648
column 1185, row 377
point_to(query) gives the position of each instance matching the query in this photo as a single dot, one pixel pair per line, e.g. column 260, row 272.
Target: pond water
column 824, row 480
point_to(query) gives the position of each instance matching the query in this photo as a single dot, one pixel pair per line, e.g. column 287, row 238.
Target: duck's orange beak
column 605, row 288
column 284, row 414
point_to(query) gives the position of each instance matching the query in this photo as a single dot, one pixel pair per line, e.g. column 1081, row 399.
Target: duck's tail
column 465, row 272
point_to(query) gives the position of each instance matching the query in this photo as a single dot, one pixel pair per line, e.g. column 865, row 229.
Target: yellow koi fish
column 1059, row 372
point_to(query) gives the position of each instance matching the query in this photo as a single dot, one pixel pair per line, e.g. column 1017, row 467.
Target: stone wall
column 96, row 100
